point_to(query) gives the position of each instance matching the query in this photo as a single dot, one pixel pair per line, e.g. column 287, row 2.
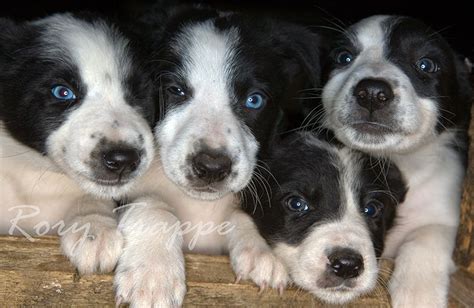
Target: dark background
column 453, row 19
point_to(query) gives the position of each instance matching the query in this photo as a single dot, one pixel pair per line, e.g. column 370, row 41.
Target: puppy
column 396, row 89
column 323, row 211
column 74, row 127
column 226, row 83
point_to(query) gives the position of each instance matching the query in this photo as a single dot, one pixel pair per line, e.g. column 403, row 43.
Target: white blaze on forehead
column 348, row 182
column 208, row 61
column 98, row 52
column 371, row 36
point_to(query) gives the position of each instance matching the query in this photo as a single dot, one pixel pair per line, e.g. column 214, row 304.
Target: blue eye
column 297, row 204
column 344, row 57
column 373, row 209
column 176, row 91
column 427, row 65
column 63, row 93
column 254, row 101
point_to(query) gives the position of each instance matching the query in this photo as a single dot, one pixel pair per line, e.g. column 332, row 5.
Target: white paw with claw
column 157, row 282
column 261, row 266
column 94, row 244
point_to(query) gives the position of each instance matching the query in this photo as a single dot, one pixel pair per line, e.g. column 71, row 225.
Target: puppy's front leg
column 150, row 272
column 422, row 268
column 90, row 238
column 251, row 257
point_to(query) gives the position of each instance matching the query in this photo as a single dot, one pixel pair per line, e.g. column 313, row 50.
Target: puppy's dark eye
column 255, row 101
column 63, row 93
column 297, row 204
column 344, row 57
column 427, row 65
column 176, row 91
column 373, row 209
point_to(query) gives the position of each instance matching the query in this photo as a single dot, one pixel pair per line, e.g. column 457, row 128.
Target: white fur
column 48, row 191
column 415, row 117
column 98, row 246
column 307, row 262
column 27, row 180
column 423, row 238
column 252, row 258
column 150, row 272
column 207, row 116
column 102, row 59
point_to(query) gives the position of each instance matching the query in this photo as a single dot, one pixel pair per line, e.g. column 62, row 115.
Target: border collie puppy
column 74, row 127
column 226, row 82
column 397, row 90
column 323, row 212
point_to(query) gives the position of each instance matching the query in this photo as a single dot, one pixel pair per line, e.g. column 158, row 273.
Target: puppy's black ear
column 11, row 37
column 305, row 51
column 464, row 81
column 9, row 28
column 395, row 181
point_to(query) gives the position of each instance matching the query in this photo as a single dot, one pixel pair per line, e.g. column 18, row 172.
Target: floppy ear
column 305, row 53
column 308, row 49
column 395, row 181
column 10, row 39
column 464, row 82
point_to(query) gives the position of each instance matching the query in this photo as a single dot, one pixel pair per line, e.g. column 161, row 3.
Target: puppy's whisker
column 15, row 155
column 261, row 165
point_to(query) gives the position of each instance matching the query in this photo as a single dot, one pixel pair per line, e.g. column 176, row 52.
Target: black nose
column 121, row 160
column 211, row 166
column 346, row 263
column 373, row 94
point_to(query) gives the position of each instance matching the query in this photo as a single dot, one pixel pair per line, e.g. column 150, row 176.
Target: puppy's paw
column 155, row 282
column 93, row 243
column 417, row 294
column 261, row 266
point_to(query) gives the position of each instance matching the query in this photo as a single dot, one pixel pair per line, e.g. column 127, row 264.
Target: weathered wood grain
column 36, row 274
column 464, row 254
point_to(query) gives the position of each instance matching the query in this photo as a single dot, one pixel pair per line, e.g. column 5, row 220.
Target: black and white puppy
column 75, row 112
column 226, row 81
column 396, row 89
column 323, row 211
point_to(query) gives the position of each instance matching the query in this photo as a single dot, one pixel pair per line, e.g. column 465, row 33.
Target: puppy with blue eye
column 224, row 100
column 396, row 89
column 75, row 115
column 318, row 217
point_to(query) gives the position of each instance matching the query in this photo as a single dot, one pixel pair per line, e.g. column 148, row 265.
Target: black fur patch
column 312, row 171
column 275, row 58
column 31, row 67
column 29, row 111
column 410, row 40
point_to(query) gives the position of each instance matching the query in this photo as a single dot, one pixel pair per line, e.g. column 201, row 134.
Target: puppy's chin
column 380, row 141
column 101, row 190
column 323, row 287
column 204, row 194
column 338, row 295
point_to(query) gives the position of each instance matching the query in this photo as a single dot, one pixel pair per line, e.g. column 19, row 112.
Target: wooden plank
column 464, row 254
column 462, row 288
column 36, row 274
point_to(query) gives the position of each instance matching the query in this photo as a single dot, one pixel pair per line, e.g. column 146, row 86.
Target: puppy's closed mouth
column 116, row 182
column 334, row 284
column 373, row 128
column 206, row 189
